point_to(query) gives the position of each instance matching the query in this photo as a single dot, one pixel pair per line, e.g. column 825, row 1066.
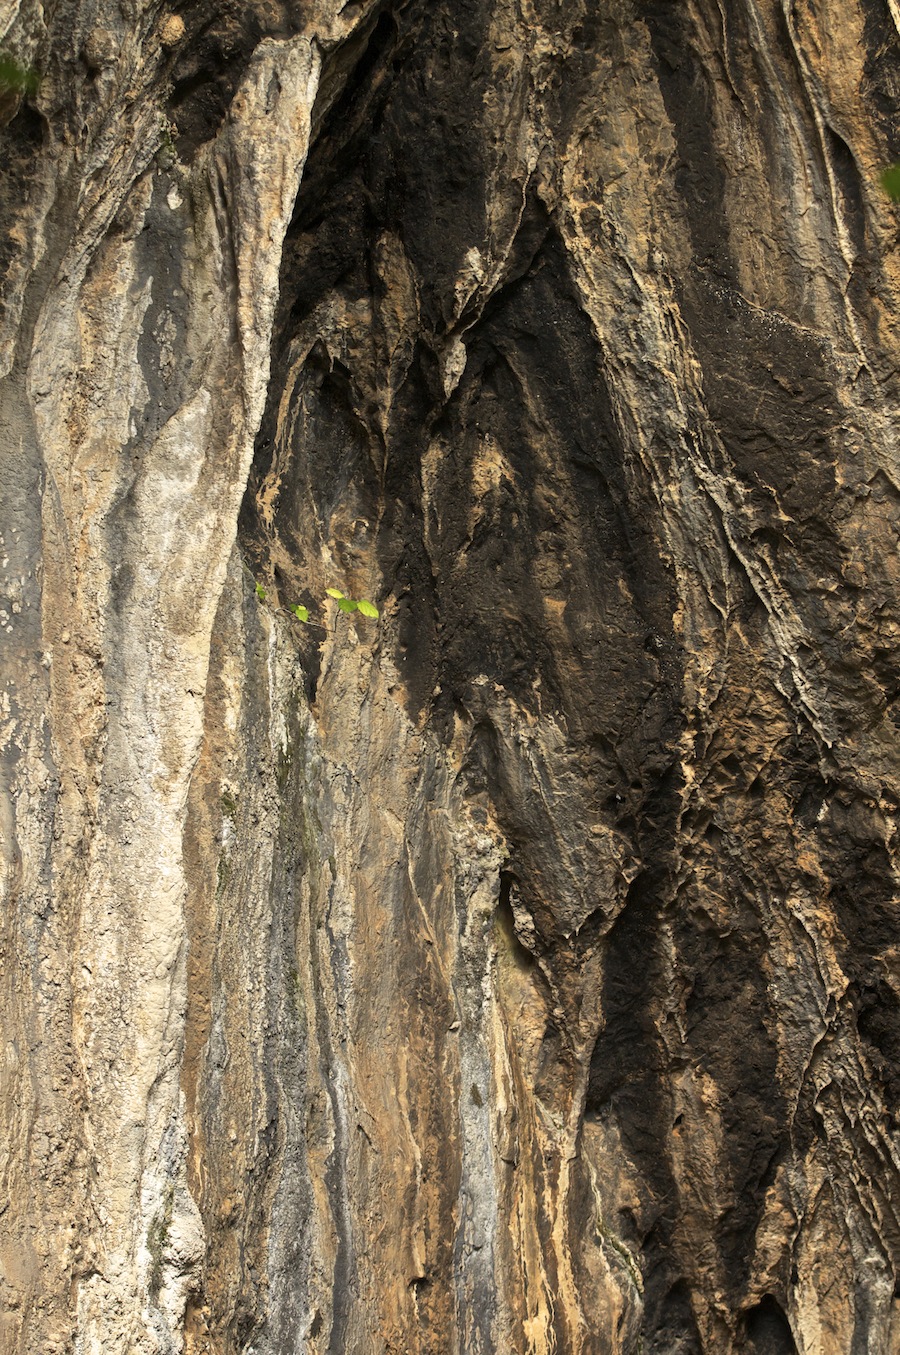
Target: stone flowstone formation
column 518, row 972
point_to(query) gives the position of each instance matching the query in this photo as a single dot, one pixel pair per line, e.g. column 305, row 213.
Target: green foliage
column 16, row 78
column 345, row 604
column 890, row 181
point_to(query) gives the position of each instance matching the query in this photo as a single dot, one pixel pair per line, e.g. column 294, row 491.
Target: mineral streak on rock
column 518, row 973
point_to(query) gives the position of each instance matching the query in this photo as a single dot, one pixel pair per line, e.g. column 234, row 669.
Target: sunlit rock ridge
column 516, row 973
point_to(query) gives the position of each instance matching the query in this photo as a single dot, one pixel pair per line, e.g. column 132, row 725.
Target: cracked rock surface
column 518, row 972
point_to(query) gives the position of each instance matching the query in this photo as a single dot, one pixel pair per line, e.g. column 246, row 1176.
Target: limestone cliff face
column 520, row 972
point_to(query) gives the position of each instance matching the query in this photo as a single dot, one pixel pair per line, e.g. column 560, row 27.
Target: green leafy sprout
column 352, row 604
column 16, row 78
column 890, row 181
column 345, row 604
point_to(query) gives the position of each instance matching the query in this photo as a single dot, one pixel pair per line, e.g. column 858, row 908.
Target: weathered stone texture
column 520, row 972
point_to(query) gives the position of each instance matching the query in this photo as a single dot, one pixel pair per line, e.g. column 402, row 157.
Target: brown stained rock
column 518, row 972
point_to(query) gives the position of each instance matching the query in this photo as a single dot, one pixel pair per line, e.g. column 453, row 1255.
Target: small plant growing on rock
column 890, row 181
column 352, row 604
column 16, row 78
column 345, row 604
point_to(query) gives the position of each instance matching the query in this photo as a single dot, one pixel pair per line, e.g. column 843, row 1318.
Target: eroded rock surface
column 519, row 972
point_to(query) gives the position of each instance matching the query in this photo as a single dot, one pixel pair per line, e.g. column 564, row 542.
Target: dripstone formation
column 517, row 973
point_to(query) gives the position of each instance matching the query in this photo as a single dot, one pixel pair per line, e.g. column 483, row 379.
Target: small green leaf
column 16, row 77
column 890, row 182
column 260, row 592
column 346, row 604
column 301, row 613
column 334, row 593
column 367, row 608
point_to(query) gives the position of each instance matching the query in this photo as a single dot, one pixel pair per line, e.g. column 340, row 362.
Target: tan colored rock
column 172, row 30
column 517, row 972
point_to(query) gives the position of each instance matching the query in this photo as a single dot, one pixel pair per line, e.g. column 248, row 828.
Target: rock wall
column 518, row 972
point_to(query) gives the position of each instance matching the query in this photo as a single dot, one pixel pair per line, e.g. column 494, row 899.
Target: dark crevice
column 219, row 43
column 700, row 175
column 849, row 186
column 361, row 72
column 507, row 922
column 768, row 1330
